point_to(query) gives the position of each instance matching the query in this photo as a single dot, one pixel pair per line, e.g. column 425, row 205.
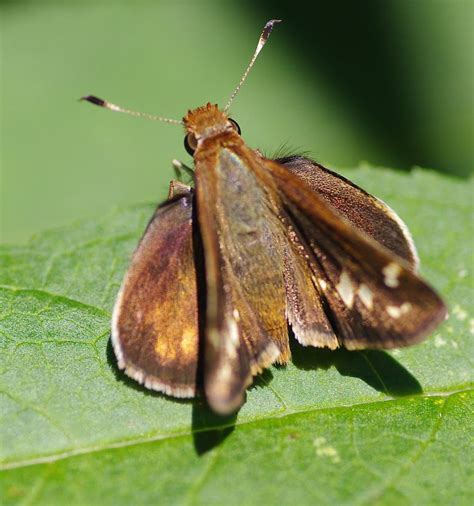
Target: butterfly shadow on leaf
column 376, row 368
column 208, row 429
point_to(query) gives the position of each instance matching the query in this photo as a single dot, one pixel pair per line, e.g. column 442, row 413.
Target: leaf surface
column 331, row 427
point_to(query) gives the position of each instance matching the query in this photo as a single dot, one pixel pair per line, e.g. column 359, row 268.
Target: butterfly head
column 204, row 122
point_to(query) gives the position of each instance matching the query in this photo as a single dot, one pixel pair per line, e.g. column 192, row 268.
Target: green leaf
column 331, row 427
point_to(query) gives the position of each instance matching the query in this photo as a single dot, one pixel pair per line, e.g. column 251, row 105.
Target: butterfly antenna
column 116, row 108
column 267, row 30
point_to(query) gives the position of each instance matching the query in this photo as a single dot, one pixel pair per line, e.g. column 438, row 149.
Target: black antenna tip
column 94, row 100
column 267, row 29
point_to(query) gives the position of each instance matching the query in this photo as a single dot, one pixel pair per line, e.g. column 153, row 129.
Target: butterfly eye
column 190, row 143
column 235, row 125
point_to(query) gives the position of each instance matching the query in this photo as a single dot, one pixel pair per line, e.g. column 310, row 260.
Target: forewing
column 372, row 297
column 155, row 320
column 246, row 327
column 305, row 302
column 363, row 210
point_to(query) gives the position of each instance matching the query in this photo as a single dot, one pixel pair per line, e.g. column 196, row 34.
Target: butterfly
column 253, row 248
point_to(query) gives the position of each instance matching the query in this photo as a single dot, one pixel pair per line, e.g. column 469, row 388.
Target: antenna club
column 269, row 26
column 267, row 30
column 116, row 108
column 94, row 100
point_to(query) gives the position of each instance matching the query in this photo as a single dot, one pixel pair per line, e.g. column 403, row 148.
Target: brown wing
column 363, row 210
column 372, row 297
column 246, row 327
column 304, row 302
column 155, row 319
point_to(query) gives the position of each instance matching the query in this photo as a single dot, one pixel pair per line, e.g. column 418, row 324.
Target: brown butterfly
column 283, row 241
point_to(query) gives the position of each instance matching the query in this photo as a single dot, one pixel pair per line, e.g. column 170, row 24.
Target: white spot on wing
column 366, row 296
column 405, row 307
column 230, row 349
column 225, row 372
column 397, row 311
column 393, row 311
column 232, row 340
column 346, row 289
column 391, row 273
column 233, row 332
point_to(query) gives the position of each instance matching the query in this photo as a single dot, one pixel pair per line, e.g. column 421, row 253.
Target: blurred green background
column 388, row 82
